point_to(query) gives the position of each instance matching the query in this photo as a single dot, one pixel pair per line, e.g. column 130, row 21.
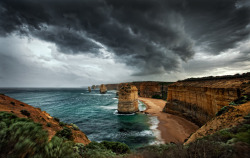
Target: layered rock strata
column 201, row 100
column 103, row 89
column 128, row 99
column 147, row 89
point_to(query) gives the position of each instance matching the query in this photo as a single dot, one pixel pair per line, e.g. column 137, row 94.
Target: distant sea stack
column 89, row 89
column 103, row 89
column 93, row 87
column 128, row 99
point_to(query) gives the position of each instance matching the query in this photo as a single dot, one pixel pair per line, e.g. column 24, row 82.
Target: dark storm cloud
column 151, row 35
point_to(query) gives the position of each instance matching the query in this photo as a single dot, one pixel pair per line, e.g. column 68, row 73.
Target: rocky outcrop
column 200, row 100
column 93, row 86
column 128, row 99
column 103, row 89
column 14, row 106
column 89, row 89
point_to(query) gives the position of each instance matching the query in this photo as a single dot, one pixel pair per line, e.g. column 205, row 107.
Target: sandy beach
column 172, row 128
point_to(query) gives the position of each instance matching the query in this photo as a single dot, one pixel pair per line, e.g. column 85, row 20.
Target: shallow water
column 95, row 114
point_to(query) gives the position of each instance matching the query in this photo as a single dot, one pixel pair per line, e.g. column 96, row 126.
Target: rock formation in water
column 103, row 89
column 16, row 107
column 93, row 86
column 89, row 89
column 200, row 99
column 128, row 99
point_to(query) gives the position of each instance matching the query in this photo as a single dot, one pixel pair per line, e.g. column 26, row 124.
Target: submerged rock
column 128, row 99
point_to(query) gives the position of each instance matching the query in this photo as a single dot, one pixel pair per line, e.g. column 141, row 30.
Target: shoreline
column 172, row 128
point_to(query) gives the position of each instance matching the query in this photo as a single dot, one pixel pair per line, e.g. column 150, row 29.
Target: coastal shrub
column 223, row 110
column 156, row 96
column 57, row 148
column 74, row 126
column 65, row 133
column 21, row 104
column 62, row 123
column 97, row 150
column 56, row 119
column 20, row 137
column 48, row 124
column 25, row 112
column 13, row 103
column 116, row 147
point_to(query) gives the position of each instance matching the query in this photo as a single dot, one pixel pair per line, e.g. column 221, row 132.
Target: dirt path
column 173, row 128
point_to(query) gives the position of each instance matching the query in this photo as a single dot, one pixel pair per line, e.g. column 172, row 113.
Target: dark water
column 95, row 114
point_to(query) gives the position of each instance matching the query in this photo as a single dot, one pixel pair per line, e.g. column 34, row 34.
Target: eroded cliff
column 199, row 100
column 147, row 89
column 128, row 99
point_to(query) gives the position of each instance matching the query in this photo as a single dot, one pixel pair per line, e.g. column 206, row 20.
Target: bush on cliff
column 20, row 137
column 116, row 147
column 65, row 133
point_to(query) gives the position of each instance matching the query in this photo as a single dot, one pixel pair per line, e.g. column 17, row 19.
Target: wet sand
column 173, row 128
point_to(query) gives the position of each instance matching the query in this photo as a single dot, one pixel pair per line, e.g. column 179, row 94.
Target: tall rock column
column 128, row 99
column 103, row 89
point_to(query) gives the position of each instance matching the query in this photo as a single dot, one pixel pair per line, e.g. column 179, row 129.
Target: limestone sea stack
column 93, row 87
column 103, row 89
column 128, row 99
column 89, row 89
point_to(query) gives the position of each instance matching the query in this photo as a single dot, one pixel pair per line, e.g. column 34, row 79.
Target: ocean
column 94, row 113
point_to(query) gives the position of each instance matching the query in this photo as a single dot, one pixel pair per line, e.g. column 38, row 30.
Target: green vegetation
column 65, row 133
column 25, row 112
column 241, row 100
column 104, row 149
column 48, row 124
column 74, row 127
column 56, row 119
column 156, row 96
column 21, row 137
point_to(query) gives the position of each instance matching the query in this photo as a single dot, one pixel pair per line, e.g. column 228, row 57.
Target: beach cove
column 172, row 128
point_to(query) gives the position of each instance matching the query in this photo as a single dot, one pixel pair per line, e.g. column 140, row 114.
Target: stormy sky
column 72, row 43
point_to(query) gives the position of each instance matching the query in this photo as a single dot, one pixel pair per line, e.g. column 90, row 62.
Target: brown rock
column 103, row 89
column 128, row 99
column 201, row 100
column 89, row 89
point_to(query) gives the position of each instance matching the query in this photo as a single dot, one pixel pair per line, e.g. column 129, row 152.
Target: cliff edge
column 50, row 124
column 200, row 99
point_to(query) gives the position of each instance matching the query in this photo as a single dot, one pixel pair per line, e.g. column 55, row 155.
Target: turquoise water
column 95, row 114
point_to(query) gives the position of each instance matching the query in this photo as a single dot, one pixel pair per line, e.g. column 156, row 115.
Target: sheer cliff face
column 149, row 89
column 128, row 99
column 146, row 89
column 201, row 100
